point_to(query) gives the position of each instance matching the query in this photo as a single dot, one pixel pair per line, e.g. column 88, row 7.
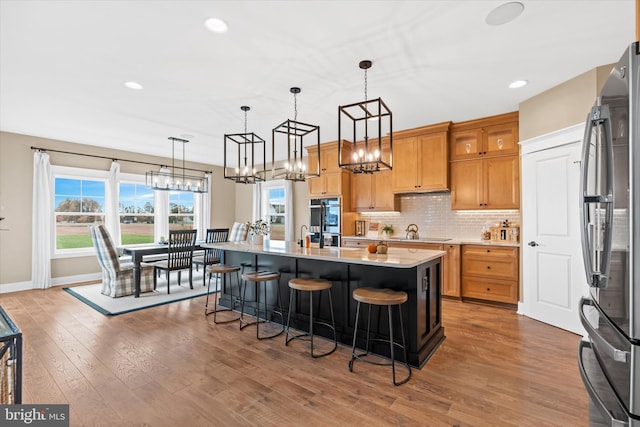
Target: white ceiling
column 63, row 64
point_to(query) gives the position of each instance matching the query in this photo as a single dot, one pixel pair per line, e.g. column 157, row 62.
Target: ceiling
column 63, row 64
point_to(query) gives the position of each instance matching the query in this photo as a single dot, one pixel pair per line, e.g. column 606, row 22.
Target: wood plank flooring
column 169, row 365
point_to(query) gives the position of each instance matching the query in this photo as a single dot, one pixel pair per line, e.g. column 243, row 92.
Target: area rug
column 90, row 295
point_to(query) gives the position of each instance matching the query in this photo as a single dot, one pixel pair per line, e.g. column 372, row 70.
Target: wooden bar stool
column 311, row 285
column 219, row 270
column 257, row 278
column 380, row 297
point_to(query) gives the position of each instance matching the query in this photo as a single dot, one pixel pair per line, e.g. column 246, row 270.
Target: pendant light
column 365, row 142
column 294, row 131
column 176, row 180
column 247, row 147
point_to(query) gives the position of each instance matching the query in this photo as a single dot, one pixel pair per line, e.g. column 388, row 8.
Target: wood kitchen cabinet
column 451, row 271
column 492, row 183
column 420, row 157
column 485, row 163
column 358, row 243
column 487, row 137
column 333, row 181
column 372, row 193
column 450, row 278
column 490, row 273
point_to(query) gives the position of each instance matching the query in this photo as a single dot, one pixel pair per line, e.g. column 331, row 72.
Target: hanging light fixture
column 367, row 143
column 294, row 169
column 176, row 181
column 243, row 169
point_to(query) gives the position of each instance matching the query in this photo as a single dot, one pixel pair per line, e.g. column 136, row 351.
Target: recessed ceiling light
column 216, row 25
column 517, row 83
column 134, row 85
column 505, row 13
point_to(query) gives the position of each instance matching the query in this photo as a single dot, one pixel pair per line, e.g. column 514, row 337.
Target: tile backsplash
column 433, row 215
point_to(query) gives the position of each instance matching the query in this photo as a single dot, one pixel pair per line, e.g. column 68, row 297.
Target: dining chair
column 117, row 275
column 179, row 257
column 211, row 256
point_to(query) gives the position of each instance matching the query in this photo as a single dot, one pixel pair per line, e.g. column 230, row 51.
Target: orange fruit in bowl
column 372, row 248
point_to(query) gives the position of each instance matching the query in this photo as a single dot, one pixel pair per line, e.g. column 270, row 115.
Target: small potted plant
column 257, row 230
column 387, row 230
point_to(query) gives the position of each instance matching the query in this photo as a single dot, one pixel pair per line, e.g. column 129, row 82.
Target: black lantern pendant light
column 294, row 131
column 247, row 147
column 176, row 181
column 365, row 141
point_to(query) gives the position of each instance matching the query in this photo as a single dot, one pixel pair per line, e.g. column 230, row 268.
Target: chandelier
column 176, row 180
column 241, row 150
column 294, row 131
column 365, row 142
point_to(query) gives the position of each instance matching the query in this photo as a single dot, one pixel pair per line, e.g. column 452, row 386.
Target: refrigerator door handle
column 611, row 421
column 616, row 354
column 599, row 116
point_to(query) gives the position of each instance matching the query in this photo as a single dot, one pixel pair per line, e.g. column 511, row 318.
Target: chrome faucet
column 302, row 235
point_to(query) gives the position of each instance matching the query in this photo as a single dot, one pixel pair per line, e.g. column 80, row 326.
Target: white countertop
column 396, row 257
column 438, row 240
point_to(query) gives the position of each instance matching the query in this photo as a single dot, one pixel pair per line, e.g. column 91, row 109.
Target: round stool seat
column 378, row 296
column 309, row 284
column 222, row 268
column 261, row 276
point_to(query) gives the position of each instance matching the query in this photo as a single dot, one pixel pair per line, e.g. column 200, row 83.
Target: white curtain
column 41, row 222
column 202, row 210
column 257, row 202
column 112, row 210
column 288, row 211
column 161, row 220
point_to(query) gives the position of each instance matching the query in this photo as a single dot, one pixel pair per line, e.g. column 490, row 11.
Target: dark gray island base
column 417, row 272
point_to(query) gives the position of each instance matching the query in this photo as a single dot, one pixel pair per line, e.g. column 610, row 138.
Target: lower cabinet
column 357, row 243
column 490, row 273
column 451, row 269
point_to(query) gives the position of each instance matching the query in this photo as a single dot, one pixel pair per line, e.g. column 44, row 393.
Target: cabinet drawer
column 353, row 243
column 490, row 251
column 493, row 290
column 416, row 245
column 500, row 268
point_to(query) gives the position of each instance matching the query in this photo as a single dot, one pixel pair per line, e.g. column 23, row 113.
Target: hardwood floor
column 169, row 365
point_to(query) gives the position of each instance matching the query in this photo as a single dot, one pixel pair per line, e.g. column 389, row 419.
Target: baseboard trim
column 55, row 281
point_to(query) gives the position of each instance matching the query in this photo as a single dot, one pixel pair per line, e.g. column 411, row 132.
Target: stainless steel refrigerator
column 609, row 358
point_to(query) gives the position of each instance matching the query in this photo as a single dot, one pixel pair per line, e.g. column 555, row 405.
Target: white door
column 553, row 277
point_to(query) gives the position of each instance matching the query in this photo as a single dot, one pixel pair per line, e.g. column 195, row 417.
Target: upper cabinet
column 493, row 136
column 485, row 163
column 333, row 181
column 420, row 159
column 371, row 192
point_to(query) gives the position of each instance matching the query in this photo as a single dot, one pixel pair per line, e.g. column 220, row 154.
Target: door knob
column 532, row 243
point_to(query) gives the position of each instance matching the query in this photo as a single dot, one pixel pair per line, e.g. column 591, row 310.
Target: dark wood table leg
column 137, row 259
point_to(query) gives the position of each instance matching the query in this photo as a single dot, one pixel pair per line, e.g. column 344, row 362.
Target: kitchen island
column 415, row 271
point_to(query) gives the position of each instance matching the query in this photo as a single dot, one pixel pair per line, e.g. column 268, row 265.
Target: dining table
column 139, row 251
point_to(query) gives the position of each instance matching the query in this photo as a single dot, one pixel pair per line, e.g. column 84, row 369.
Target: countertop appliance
column 324, row 221
column 412, row 232
column 609, row 358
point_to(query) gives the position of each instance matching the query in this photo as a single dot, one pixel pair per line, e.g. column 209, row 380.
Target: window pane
column 72, row 231
column 84, row 197
column 276, row 213
column 180, row 222
column 181, row 202
column 136, row 213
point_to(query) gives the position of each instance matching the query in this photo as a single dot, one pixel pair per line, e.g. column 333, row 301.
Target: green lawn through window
column 74, row 241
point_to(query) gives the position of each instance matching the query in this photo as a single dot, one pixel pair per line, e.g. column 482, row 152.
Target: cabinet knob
column 488, row 289
column 488, row 267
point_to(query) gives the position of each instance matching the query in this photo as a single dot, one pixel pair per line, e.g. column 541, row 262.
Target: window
column 273, row 203
column 137, row 207
column 181, row 210
column 276, row 212
column 78, row 203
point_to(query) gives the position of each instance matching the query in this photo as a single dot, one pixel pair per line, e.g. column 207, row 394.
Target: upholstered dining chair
column 179, row 257
column 239, row 232
column 117, row 276
column 211, row 256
